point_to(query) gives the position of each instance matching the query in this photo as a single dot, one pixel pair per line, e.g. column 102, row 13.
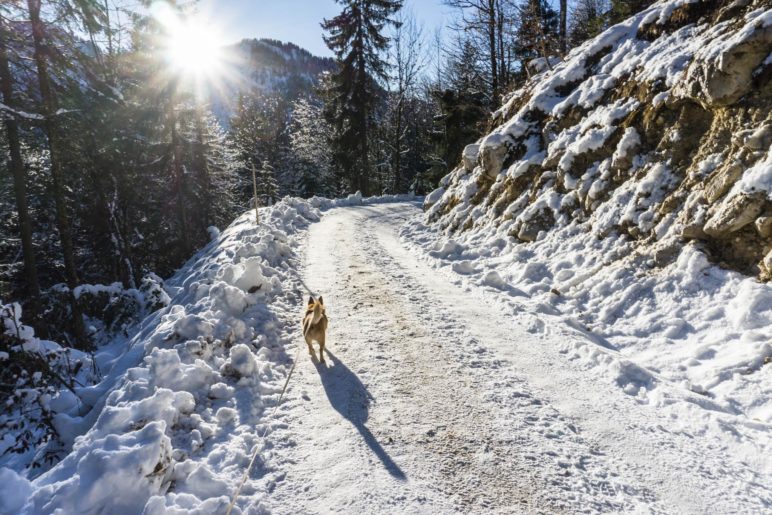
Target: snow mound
column 356, row 199
column 173, row 422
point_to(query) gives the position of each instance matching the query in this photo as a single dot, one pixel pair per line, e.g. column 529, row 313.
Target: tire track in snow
column 414, row 413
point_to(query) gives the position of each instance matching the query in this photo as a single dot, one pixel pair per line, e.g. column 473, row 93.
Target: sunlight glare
column 192, row 46
column 194, row 49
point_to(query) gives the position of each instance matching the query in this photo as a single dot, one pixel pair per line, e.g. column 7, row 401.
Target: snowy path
column 433, row 400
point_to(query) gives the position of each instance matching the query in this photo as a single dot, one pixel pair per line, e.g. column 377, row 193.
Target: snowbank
column 690, row 323
column 356, row 199
column 175, row 418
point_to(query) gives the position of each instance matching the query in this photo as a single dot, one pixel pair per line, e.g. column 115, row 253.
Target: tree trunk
column 398, row 145
column 203, row 168
column 364, row 172
column 503, row 68
column 493, row 53
column 18, row 172
column 179, row 184
column 563, row 13
column 48, row 97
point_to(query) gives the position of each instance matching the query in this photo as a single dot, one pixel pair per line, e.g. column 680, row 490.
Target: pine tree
column 16, row 164
column 537, row 32
column 90, row 15
column 623, row 9
column 267, row 188
column 588, row 19
column 310, row 136
column 464, row 104
column 259, row 132
column 356, row 38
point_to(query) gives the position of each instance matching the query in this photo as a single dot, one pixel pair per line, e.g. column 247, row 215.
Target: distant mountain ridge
column 278, row 55
column 269, row 66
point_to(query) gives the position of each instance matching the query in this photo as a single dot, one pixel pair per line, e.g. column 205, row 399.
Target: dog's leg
column 310, row 346
column 321, row 347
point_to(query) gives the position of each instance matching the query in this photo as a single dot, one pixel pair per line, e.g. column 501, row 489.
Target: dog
column 315, row 325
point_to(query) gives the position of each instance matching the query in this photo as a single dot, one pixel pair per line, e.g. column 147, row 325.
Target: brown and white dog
column 315, row 325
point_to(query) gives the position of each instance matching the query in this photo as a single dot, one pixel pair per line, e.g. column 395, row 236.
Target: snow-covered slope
column 630, row 190
column 179, row 409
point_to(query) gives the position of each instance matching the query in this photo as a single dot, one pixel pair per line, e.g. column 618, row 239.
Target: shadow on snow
column 351, row 399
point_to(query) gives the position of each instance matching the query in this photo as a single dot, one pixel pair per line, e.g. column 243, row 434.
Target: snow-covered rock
column 658, row 128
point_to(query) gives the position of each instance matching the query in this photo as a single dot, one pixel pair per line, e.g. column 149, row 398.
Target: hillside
column 630, row 189
column 577, row 320
column 269, row 67
column 658, row 130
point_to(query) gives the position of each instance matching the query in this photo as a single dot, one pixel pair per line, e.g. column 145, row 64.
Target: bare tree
column 562, row 32
column 407, row 60
column 490, row 24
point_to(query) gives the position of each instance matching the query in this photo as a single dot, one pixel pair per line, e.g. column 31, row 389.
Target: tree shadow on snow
column 351, row 399
column 374, row 212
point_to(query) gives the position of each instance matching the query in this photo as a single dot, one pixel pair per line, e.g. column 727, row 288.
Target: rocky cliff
column 656, row 133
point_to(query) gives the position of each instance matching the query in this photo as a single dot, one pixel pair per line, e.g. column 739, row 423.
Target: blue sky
column 298, row 20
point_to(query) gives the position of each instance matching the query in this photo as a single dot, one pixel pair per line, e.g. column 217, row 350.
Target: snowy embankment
column 620, row 191
column 178, row 413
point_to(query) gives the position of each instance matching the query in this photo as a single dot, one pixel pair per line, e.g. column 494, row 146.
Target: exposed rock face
column 725, row 75
column 493, row 152
column 760, row 139
column 723, row 180
column 659, row 129
column 764, row 226
column 470, row 156
column 766, row 266
column 734, row 213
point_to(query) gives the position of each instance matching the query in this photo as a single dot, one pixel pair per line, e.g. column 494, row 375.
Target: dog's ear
column 310, row 301
column 321, row 300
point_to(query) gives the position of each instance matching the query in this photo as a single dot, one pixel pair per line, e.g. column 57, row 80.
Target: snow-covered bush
column 37, row 381
column 110, row 310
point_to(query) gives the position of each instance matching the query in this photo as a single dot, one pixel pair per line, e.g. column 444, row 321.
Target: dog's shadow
column 349, row 396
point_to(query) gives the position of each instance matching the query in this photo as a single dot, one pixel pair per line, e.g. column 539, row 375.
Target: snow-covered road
column 434, row 399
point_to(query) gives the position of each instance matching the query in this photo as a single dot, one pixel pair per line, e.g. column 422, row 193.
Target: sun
column 192, row 47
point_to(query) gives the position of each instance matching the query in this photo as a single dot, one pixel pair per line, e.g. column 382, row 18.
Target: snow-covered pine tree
column 356, row 37
column 267, row 187
column 215, row 180
column 310, row 136
column 259, row 132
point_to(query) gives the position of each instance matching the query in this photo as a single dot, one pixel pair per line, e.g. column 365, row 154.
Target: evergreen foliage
column 356, row 37
column 537, row 31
